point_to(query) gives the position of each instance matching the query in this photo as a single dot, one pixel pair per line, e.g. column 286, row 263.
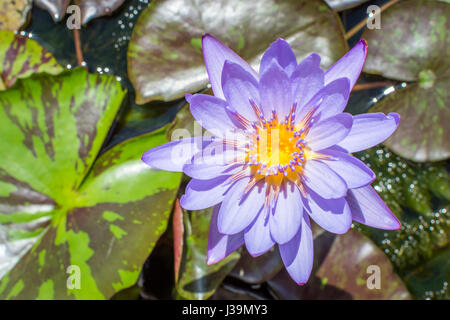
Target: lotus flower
column 279, row 153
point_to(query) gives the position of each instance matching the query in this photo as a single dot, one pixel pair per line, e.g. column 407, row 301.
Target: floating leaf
column 260, row 269
column 414, row 48
column 197, row 280
column 89, row 9
column 20, row 57
column 165, row 58
column 14, row 14
column 344, row 273
column 105, row 215
column 341, row 5
column 56, row 8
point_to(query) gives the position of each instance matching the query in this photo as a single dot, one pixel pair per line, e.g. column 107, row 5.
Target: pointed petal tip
column 188, row 97
column 397, row 117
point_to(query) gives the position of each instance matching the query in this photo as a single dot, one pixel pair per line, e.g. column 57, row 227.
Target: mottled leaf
column 56, row 8
column 20, row 57
column 197, row 280
column 106, row 213
column 165, row 54
column 414, row 48
column 344, row 273
column 14, row 14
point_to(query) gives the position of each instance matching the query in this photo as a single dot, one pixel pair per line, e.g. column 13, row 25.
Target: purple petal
column 354, row 172
column 329, row 132
column 349, row 66
column 173, row 155
column 287, row 214
column 202, row 194
column 281, row 52
column 368, row 208
column 369, row 130
column 212, row 114
column 307, row 80
column 257, row 235
column 324, row 181
column 239, row 87
column 204, row 171
column 298, row 254
column 215, row 53
column 219, row 153
column 239, row 209
column 275, row 91
column 332, row 215
column 330, row 100
column 221, row 245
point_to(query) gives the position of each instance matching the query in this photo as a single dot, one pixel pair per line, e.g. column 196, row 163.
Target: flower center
column 277, row 148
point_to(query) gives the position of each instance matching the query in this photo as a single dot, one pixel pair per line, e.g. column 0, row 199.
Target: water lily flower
column 285, row 153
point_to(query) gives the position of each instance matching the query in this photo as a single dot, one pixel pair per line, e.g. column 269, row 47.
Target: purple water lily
column 284, row 156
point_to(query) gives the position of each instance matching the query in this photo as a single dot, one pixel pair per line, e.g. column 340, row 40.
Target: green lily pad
column 197, row 280
column 20, row 57
column 89, row 9
column 14, row 14
column 414, row 48
column 345, row 272
column 165, row 53
column 106, row 211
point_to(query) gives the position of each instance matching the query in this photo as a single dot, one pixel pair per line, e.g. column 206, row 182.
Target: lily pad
column 20, row 57
column 197, row 280
column 258, row 270
column 89, row 9
column 106, row 212
column 165, row 53
column 414, row 48
column 344, row 273
column 14, row 14
column 341, row 5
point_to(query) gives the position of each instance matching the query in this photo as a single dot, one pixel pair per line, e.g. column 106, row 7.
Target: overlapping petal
column 297, row 254
column 329, row 132
column 323, row 180
column 306, row 81
column 286, row 215
column 333, row 215
column 257, row 237
column 213, row 114
column 238, row 208
column 354, row 172
column 173, row 155
column 281, row 52
column 221, row 245
column 215, row 53
column 202, row 194
column 239, row 88
column 369, row 130
column 275, row 91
